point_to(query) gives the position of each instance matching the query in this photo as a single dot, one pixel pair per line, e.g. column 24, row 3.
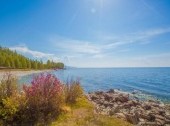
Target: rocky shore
column 133, row 110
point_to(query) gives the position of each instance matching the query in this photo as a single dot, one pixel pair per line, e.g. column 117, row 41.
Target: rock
column 122, row 98
column 101, row 97
column 144, row 116
column 119, row 103
column 106, row 103
column 135, row 102
column 114, row 110
column 108, row 97
column 106, row 111
column 160, row 122
column 99, row 92
column 153, row 101
column 151, row 117
column 120, row 115
column 141, row 120
column 110, row 104
column 146, row 106
column 132, row 118
column 159, row 117
column 161, row 112
column 140, row 113
column 162, row 105
column 127, row 105
column 167, row 116
column 94, row 97
column 135, row 92
column 167, row 121
column 113, row 100
column 111, row 91
column 140, row 110
column 147, row 124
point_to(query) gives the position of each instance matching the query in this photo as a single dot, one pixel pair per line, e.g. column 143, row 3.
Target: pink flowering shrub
column 44, row 98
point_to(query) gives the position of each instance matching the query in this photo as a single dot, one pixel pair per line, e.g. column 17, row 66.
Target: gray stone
column 120, row 115
column 114, row 110
column 132, row 118
column 111, row 91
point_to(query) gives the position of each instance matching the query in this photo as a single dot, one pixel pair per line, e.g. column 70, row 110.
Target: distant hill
column 13, row 60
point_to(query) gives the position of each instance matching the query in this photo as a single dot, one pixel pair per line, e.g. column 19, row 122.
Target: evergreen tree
column 28, row 64
column 24, row 64
column 7, row 63
column 12, row 64
column 17, row 63
column 48, row 63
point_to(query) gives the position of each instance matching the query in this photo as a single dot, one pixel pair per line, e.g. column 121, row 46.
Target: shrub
column 9, row 109
column 8, row 86
column 44, row 98
column 72, row 91
column 9, row 103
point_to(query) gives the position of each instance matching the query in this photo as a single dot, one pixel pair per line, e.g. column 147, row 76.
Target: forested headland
column 12, row 60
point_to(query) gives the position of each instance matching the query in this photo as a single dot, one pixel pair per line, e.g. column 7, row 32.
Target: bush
column 44, row 98
column 8, row 86
column 72, row 91
column 9, row 103
column 8, row 109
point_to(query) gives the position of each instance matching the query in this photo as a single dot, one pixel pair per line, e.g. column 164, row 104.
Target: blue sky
column 89, row 33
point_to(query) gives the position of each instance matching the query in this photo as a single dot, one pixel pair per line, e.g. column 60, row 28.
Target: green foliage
column 9, row 109
column 51, row 64
column 8, row 98
column 11, row 59
column 72, row 91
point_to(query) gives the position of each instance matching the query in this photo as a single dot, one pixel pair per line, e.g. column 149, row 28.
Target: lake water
column 151, row 82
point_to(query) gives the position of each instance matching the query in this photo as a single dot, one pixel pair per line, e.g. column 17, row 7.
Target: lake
column 148, row 82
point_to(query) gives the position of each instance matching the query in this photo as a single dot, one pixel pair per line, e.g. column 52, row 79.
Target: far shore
column 20, row 73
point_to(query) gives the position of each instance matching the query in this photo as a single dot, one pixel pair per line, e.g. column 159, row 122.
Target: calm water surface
column 154, row 82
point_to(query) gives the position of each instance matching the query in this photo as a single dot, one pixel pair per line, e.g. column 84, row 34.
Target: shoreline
column 20, row 73
column 135, row 111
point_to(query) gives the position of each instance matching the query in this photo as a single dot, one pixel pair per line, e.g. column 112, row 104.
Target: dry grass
column 82, row 114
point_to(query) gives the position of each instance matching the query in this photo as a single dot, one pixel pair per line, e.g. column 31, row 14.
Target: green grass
column 82, row 114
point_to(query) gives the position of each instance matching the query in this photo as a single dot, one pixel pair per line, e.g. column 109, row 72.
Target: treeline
column 13, row 60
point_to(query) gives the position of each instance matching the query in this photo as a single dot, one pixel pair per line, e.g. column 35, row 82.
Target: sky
column 89, row 33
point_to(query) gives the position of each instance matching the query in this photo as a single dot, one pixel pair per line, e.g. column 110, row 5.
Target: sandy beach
column 21, row 73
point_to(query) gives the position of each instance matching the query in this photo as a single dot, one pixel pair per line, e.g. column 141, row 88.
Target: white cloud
column 143, row 37
column 155, row 60
column 105, row 44
column 105, row 50
column 76, row 46
column 35, row 54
